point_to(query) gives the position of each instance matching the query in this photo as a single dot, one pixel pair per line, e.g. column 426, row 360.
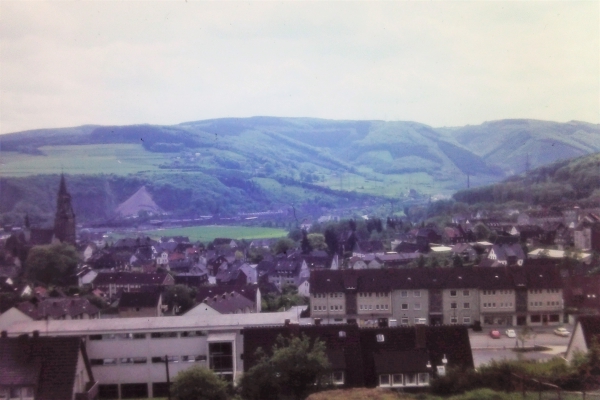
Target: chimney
column 420, row 337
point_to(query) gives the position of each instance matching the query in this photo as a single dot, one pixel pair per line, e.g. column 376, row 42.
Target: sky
column 440, row 63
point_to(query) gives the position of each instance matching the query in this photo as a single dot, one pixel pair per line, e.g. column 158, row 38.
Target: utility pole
column 168, row 378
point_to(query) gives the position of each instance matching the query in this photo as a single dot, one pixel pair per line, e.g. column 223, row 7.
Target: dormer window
column 380, row 338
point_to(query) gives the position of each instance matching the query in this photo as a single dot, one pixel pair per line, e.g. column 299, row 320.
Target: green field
column 208, row 233
column 120, row 159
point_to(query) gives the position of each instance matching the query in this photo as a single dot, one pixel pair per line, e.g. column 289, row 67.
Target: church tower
column 64, row 221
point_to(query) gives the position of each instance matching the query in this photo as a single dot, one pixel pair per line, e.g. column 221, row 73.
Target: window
column 536, row 318
column 404, row 293
column 337, row 377
column 108, row 391
column 410, row 379
column 377, row 307
column 453, row 320
column 163, row 335
column 466, row 320
column 466, row 293
column 423, row 378
column 380, row 338
column 188, row 334
column 134, row 391
column 221, row 356
column 133, row 360
column 384, row 380
column 160, row 389
column 453, row 293
column 404, row 321
column 397, row 380
column 404, row 306
column 417, row 293
column 466, row 306
column 417, row 306
column 453, row 305
column 156, row 360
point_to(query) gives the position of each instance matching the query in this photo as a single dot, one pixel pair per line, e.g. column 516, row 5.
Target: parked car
column 561, row 332
column 495, row 334
column 511, row 333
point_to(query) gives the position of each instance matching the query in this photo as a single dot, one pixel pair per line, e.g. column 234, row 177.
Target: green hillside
column 568, row 180
column 253, row 164
column 508, row 143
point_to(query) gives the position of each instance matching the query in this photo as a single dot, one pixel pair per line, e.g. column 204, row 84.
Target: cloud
column 451, row 63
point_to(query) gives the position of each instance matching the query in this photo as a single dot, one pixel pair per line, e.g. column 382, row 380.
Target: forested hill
column 568, row 180
column 252, row 164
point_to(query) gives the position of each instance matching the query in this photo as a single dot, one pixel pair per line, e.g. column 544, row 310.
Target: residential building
column 504, row 296
column 140, row 304
column 45, row 368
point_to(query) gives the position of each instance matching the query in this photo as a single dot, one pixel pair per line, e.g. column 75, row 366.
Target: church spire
column 64, row 221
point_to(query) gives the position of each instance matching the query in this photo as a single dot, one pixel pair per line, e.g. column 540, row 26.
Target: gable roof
column 57, row 308
column 590, row 326
column 50, row 363
column 129, row 278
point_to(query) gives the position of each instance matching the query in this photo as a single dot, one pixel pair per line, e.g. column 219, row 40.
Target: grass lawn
column 118, row 159
column 208, row 233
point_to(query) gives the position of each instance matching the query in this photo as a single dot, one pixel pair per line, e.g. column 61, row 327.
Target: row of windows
column 492, row 292
column 378, row 294
column 541, row 303
column 501, row 305
column 153, row 335
column 416, row 293
column 416, row 306
column 144, row 360
column 366, row 307
column 454, row 293
column 466, row 320
column 417, row 320
column 538, row 291
column 410, row 379
column 331, row 308
column 466, row 306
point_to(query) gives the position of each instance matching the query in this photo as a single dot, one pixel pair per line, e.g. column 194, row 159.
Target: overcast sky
column 442, row 64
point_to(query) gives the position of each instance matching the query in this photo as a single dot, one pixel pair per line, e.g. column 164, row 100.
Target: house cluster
column 134, row 357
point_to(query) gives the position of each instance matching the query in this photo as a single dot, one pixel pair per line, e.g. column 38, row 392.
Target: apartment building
column 502, row 296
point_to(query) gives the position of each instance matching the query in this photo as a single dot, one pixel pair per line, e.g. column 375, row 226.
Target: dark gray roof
column 139, row 299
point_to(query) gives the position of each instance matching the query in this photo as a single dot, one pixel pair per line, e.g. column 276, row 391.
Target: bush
column 198, row 383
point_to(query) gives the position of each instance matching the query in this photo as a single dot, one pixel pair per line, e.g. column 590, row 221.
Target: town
column 395, row 302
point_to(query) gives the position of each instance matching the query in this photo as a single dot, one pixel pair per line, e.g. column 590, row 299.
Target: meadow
column 120, row 159
column 207, row 233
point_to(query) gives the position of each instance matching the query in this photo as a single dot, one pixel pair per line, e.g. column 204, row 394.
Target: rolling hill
column 252, row 164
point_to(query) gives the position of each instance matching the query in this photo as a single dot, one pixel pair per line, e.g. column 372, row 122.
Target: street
column 486, row 349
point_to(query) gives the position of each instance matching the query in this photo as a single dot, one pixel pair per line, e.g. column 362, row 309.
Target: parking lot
column 486, row 349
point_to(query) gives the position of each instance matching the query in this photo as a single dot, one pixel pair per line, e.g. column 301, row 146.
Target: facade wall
column 329, row 305
column 410, row 306
column 544, row 306
column 460, row 306
column 371, row 306
column 123, row 359
column 497, row 307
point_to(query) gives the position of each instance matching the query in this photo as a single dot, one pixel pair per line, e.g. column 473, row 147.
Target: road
column 486, row 349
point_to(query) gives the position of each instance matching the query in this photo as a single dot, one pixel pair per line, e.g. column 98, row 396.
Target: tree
column 331, row 239
column 283, row 245
column 316, row 241
column 179, row 298
column 52, row 264
column 525, row 334
column 457, row 261
column 305, row 244
column 296, row 367
column 198, row 383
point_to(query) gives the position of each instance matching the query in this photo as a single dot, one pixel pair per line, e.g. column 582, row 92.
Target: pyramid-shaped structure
column 140, row 201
